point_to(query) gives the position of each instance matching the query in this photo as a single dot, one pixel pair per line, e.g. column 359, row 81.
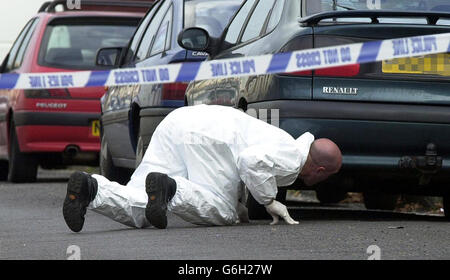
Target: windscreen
column 212, row 15
column 317, row 6
column 74, row 44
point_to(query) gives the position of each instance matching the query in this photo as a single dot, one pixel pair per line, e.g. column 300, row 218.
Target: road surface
column 32, row 227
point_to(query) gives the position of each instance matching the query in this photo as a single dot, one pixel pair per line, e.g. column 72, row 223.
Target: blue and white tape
column 311, row 59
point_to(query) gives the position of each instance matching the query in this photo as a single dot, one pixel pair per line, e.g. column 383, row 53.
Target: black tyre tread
column 380, row 201
column 330, row 195
column 22, row 167
column 110, row 171
column 4, row 166
column 447, row 207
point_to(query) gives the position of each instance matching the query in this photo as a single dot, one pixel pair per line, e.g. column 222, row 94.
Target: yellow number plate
column 436, row 64
column 96, row 128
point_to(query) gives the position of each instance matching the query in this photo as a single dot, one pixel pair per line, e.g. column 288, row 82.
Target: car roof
column 103, row 8
column 90, row 14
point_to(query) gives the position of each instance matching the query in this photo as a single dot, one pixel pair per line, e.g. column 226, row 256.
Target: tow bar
column 427, row 165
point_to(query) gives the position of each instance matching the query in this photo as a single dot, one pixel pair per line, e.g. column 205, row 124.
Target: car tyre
column 380, row 201
column 257, row 211
column 447, row 207
column 107, row 167
column 330, row 194
column 4, row 170
column 22, row 167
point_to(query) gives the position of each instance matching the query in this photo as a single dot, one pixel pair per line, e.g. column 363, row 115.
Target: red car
column 59, row 127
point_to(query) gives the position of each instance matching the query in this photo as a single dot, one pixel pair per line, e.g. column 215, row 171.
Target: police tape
column 311, row 59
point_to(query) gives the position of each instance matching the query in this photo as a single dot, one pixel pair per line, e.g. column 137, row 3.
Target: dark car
column 58, row 127
column 391, row 118
column 130, row 114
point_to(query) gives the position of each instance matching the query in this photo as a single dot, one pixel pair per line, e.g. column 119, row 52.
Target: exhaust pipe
column 71, row 151
column 73, row 155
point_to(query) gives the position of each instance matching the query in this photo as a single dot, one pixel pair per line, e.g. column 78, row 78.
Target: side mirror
column 110, row 57
column 198, row 39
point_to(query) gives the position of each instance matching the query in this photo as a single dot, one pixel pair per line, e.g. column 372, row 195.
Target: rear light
column 340, row 71
column 47, row 93
column 174, row 91
column 299, row 73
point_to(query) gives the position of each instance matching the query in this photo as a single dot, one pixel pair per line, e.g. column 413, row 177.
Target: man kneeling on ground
column 197, row 165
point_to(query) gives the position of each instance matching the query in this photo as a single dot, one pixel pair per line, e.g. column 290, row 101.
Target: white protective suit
column 208, row 151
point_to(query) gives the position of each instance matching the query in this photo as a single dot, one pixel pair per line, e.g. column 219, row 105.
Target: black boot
column 81, row 190
column 160, row 189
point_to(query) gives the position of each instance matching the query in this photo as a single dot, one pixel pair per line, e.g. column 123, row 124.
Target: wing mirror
column 110, row 57
column 197, row 39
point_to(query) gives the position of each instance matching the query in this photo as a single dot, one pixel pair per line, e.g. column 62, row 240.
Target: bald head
column 324, row 160
column 326, row 153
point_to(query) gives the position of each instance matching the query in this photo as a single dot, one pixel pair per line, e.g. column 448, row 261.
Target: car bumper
column 373, row 137
column 54, row 132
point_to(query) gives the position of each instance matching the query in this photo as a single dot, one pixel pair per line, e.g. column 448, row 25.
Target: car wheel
column 330, row 194
column 380, row 201
column 22, row 167
column 107, row 167
column 447, row 207
column 3, row 170
column 257, row 211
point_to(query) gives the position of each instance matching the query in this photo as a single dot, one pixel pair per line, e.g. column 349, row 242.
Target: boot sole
column 73, row 211
column 156, row 210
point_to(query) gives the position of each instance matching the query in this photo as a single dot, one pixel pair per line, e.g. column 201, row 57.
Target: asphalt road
column 32, row 227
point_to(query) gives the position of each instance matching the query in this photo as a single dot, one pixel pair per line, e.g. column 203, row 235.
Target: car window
column 150, row 33
column 275, row 15
column 212, row 15
column 24, row 45
column 16, row 46
column 69, row 43
column 443, row 22
column 235, row 27
column 139, row 32
column 317, row 6
column 162, row 40
column 257, row 20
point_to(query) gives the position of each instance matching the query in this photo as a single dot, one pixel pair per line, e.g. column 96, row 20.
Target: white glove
column 276, row 209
